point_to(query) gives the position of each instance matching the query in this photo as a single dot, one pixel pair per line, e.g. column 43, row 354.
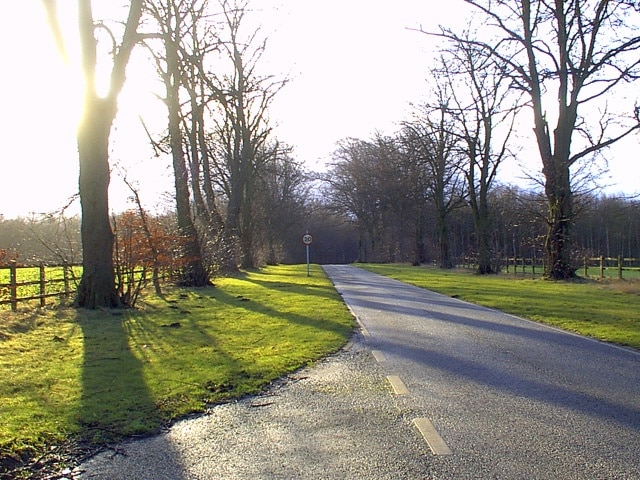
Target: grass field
column 97, row 376
column 607, row 310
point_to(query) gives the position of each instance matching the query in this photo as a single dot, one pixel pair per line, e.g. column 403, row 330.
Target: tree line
column 230, row 173
column 605, row 225
column 403, row 210
column 240, row 194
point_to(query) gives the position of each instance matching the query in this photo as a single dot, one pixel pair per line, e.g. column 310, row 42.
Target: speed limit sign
column 307, row 239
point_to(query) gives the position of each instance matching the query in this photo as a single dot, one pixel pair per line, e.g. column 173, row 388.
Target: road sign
column 307, row 239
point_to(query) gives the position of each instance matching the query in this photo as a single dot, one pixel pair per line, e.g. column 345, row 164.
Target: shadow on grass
column 316, row 322
column 116, row 402
column 115, row 399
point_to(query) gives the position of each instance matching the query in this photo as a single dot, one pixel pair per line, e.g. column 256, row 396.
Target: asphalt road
column 511, row 399
column 432, row 388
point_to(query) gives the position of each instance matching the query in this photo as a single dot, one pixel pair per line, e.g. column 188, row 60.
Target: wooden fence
column 46, row 282
column 39, row 288
column 599, row 267
column 63, row 283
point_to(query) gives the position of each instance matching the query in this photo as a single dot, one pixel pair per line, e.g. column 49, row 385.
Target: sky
column 355, row 66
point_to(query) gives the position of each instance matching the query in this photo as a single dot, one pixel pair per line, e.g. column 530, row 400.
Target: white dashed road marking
column 398, row 386
column 432, row 437
column 378, row 355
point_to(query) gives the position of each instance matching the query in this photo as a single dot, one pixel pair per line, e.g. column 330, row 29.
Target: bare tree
column 484, row 109
column 430, row 140
column 176, row 19
column 281, row 199
column 570, row 58
column 375, row 183
column 244, row 96
column 353, row 191
column 97, row 286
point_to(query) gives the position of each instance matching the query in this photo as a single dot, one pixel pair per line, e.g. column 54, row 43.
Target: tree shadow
column 115, row 401
column 514, row 348
column 599, row 402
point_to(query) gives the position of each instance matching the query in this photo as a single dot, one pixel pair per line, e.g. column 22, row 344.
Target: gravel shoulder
column 338, row 419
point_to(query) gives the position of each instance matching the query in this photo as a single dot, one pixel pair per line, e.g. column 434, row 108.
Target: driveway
column 431, row 388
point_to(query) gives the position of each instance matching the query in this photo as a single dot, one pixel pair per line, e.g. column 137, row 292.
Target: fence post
column 65, row 279
column 601, row 267
column 13, row 288
column 619, row 267
column 42, row 285
column 586, row 267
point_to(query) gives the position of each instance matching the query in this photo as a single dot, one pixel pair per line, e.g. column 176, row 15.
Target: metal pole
column 308, row 269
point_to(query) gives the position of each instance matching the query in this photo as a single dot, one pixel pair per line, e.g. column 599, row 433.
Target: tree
column 430, row 140
column 570, row 58
column 175, row 19
column 353, row 191
column 244, row 96
column 97, row 286
column 281, row 195
column 484, row 110
column 376, row 184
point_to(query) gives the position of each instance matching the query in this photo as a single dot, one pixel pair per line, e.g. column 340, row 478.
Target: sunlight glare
column 41, row 103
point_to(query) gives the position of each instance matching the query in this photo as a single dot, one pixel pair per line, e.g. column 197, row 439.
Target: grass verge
column 97, row 377
column 606, row 310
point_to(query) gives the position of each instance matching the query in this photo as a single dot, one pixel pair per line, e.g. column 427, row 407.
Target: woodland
column 427, row 194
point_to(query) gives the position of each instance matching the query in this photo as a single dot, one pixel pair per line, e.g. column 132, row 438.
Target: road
column 508, row 398
column 431, row 388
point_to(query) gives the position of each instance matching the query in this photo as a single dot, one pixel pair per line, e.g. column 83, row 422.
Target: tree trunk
column 443, row 237
column 560, row 216
column 485, row 258
column 420, row 254
column 482, row 224
column 194, row 273
column 97, row 285
column 247, row 235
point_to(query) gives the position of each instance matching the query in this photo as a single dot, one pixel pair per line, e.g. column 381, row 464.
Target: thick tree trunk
column 247, row 234
column 560, row 217
column 97, row 285
column 443, row 239
column 194, row 274
column 420, row 254
column 444, row 259
column 483, row 234
column 485, row 257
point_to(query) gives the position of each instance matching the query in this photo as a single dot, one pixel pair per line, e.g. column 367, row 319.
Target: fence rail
column 46, row 281
column 60, row 280
column 40, row 288
column 598, row 267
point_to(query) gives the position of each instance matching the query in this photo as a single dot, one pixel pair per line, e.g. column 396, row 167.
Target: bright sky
column 354, row 67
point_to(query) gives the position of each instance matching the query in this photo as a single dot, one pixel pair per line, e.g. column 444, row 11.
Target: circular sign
column 307, row 239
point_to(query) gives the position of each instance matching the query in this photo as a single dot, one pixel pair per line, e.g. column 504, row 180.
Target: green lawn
column 97, row 376
column 608, row 310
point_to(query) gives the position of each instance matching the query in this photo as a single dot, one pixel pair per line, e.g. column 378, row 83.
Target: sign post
column 307, row 239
